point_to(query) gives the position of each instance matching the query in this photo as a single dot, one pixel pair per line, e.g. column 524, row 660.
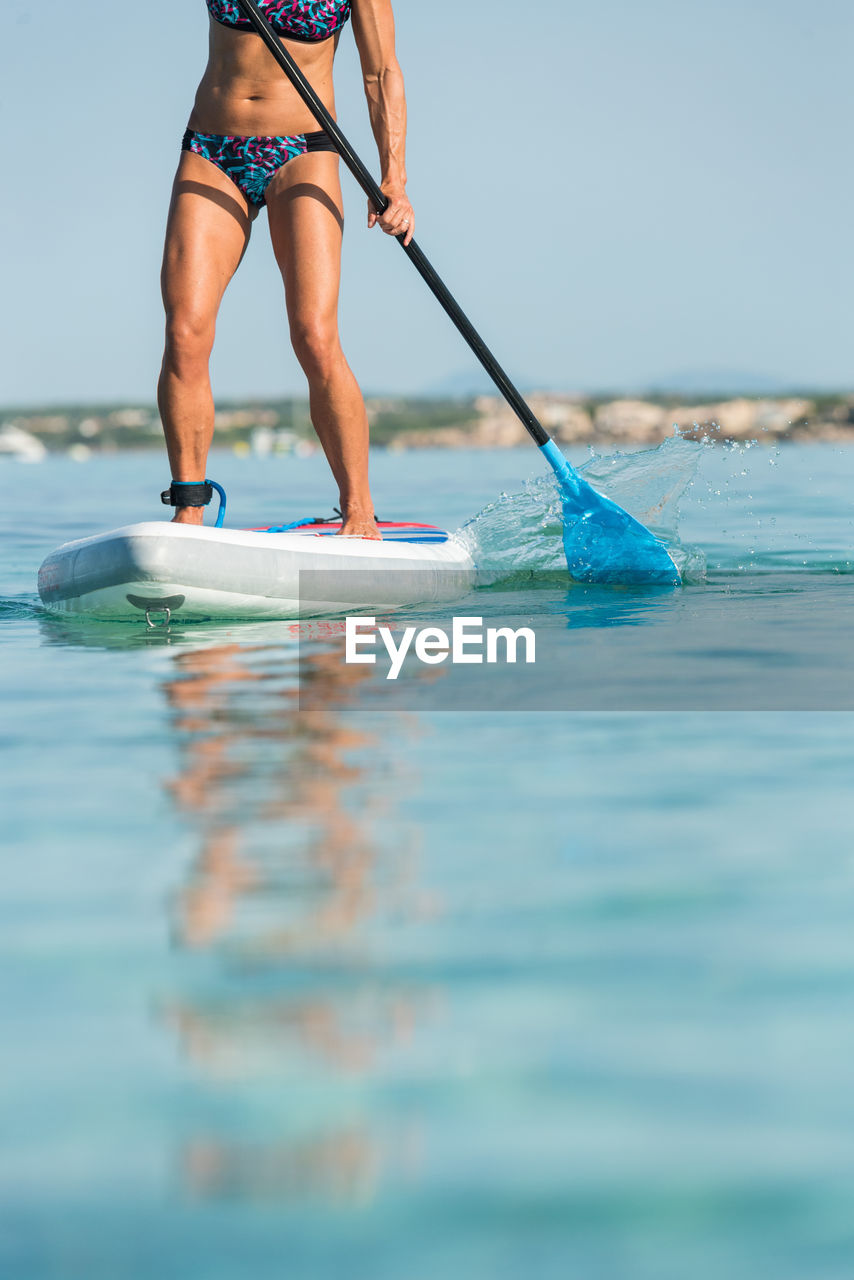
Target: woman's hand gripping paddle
column 603, row 543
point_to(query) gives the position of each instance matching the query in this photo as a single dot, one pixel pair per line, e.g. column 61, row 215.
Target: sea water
column 480, row 978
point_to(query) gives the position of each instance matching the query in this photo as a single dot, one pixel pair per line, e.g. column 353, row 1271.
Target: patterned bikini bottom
column 253, row 162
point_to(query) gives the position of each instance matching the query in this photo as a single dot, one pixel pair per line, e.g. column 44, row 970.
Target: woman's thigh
column 306, row 224
column 206, row 236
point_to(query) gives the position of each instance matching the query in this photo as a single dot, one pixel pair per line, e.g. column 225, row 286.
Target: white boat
column 20, row 445
column 157, row 571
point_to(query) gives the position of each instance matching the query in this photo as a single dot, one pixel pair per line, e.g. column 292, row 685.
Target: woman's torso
column 243, row 91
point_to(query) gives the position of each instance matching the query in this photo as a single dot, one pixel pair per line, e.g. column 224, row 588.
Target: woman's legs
column 206, row 236
column 306, row 220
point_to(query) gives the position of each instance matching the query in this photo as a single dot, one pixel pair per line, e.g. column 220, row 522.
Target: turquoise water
column 471, row 979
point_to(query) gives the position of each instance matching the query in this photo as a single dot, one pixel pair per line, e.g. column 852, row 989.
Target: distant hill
column 719, row 382
column 699, row 383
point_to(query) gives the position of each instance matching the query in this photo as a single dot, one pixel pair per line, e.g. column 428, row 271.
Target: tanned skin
column 242, row 92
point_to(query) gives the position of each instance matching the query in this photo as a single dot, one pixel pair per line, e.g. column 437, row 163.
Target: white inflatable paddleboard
column 159, row 571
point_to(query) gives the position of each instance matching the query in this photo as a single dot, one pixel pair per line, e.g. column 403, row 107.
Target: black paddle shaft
column 260, row 24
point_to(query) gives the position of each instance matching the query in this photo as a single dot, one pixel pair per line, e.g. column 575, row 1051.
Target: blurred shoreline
column 284, row 426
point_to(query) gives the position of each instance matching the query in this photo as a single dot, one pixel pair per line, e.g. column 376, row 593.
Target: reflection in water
column 338, row 1167
column 285, row 795
column 592, row 607
column 299, row 1037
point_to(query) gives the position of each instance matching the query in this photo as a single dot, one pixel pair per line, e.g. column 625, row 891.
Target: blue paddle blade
column 603, row 543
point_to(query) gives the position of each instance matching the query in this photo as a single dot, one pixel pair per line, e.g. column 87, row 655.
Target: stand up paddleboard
column 155, row 572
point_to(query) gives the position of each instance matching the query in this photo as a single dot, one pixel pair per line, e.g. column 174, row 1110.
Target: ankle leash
column 195, row 493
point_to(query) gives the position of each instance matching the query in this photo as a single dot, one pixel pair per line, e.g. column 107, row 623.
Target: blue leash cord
column 295, row 524
column 220, row 515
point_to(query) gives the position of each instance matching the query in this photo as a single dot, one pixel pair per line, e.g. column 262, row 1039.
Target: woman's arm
column 373, row 27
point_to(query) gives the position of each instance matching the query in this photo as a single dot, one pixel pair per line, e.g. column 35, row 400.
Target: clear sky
column 620, row 195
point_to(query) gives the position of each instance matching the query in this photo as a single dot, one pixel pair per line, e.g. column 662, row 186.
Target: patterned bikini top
column 295, row 19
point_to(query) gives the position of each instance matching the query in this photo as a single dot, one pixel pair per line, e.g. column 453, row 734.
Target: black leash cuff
column 187, row 494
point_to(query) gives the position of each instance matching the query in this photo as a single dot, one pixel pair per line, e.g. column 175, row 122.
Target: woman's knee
column 317, row 346
column 189, row 339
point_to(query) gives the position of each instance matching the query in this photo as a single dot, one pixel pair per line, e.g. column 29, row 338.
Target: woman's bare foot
column 189, row 515
column 359, row 524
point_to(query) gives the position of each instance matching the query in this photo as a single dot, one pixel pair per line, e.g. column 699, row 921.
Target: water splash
column 520, row 535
